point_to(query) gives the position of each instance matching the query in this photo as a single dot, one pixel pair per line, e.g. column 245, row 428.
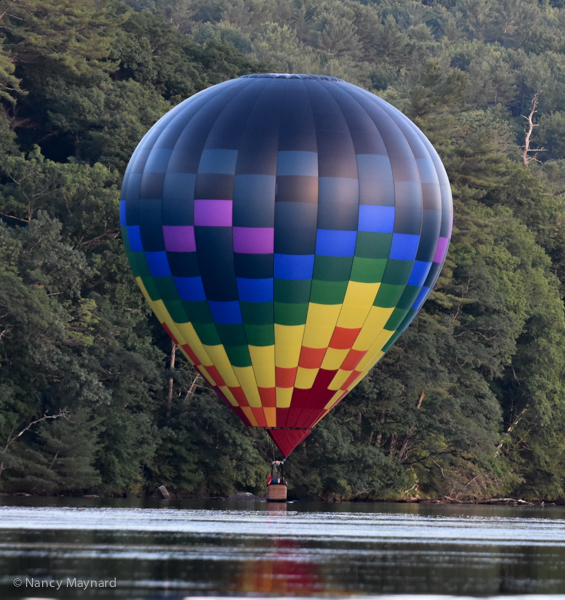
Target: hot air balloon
column 285, row 229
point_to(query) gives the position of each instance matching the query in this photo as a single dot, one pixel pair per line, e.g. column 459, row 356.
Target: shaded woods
column 469, row 403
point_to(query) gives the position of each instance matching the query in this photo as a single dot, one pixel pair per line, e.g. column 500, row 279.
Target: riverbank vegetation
column 469, row 403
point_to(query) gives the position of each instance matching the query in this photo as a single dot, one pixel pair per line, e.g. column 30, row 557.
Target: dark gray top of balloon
column 290, row 76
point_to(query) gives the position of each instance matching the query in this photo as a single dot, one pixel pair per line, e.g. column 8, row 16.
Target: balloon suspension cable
column 273, row 450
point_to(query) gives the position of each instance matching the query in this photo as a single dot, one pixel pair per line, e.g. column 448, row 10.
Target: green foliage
column 470, row 402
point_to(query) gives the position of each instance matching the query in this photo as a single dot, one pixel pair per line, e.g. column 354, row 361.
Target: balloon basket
column 276, row 483
column 276, row 492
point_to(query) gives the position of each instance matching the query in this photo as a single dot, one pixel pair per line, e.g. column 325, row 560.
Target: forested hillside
column 469, row 403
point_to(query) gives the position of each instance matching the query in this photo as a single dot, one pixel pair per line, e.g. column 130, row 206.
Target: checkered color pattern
column 285, row 230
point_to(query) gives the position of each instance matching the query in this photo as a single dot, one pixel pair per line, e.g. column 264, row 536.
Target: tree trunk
column 171, row 380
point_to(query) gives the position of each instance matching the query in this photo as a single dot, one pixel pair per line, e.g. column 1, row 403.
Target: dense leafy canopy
column 470, row 402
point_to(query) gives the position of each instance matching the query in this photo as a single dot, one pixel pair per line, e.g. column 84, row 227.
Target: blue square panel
column 294, row 266
column 134, row 237
column 226, row 313
column 404, row 246
column 377, row 219
column 330, row 242
column 419, row 273
column 255, row 290
column 158, row 264
column 421, row 298
column 190, row 288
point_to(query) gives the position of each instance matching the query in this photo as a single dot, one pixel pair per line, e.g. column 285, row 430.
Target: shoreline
column 248, row 497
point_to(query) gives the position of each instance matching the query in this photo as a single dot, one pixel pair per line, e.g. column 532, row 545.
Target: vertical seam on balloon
column 323, row 87
column 157, row 137
column 372, row 96
column 197, row 256
column 427, row 145
column 317, row 217
column 277, row 424
column 346, row 86
column 184, row 310
column 437, row 163
column 268, row 84
column 204, row 144
column 330, row 90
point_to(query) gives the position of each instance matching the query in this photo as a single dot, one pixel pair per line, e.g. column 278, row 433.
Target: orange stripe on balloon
column 239, row 395
column 350, row 379
column 166, row 328
column 353, row 359
column 268, row 397
column 260, row 416
column 190, row 353
column 285, row 377
column 311, row 358
column 343, row 338
column 215, row 374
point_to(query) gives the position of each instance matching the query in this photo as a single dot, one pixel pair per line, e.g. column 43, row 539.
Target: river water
column 60, row 548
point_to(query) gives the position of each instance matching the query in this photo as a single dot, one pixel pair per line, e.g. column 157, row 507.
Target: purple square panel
column 254, row 240
column 441, row 249
column 179, row 238
column 213, row 213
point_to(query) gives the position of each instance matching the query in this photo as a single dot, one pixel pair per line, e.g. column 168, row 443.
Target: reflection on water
column 194, row 548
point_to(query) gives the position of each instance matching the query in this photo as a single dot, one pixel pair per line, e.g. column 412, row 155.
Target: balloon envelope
column 285, row 229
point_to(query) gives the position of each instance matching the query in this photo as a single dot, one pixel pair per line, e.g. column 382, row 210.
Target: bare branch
column 63, row 413
column 530, row 118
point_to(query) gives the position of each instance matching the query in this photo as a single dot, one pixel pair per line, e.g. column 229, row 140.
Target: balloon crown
column 290, row 76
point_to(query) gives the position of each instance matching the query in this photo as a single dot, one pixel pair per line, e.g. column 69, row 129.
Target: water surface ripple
column 192, row 549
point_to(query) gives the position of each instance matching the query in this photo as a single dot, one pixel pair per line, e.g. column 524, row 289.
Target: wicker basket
column 276, row 492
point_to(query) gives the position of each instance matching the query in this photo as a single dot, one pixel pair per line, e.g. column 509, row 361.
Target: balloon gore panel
column 285, row 230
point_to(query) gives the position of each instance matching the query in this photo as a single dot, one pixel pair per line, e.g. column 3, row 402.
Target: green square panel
column 133, row 263
column 176, row 310
column 410, row 314
column 373, row 245
column 257, row 313
column 150, row 287
column 125, row 238
column 207, row 333
column 332, row 268
column 395, row 319
column 167, row 288
column 368, row 270
column 328, row 292
column 388, row 295
column 198, row 312
column 408, row 297
column 292, row 290
column 397, row 272
column 290, row 314
column 141, row 264
column 392, row 340
column 260, row 335
column 232, row 335
column 239, row 356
